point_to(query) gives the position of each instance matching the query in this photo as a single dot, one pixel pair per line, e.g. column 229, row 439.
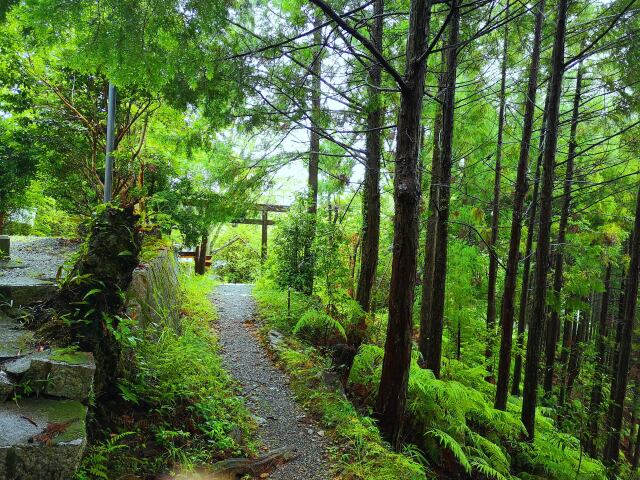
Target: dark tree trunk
column 553, row 328
column 622, row 371
column 90, row 303
column 371, row 197
column 201, row 256
column 508, row 297
column 529, row 397
column 391, row 399
column 434, row 347
column 432, row 224
column 495, row 206
column 596, row 391
column 526, row 269
column 314, row 147
column 575, row 358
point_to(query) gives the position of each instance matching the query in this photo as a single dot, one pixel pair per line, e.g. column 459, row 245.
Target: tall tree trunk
column 434, row 348
column 392, row 393
column 596, row 390
column 554, row 323
column 508, row 297
column 526, row 269
column 314, row 145
column 371, row 197
column 529, row 397
column 495, row 207
column 631, row 296
column 575, row 358
column 432, row 222
column 201, row 256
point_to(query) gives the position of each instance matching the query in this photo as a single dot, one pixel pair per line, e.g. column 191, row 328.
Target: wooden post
column 265, row 221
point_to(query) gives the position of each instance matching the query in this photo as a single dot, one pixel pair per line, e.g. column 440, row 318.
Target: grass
column 359, row 451
column 179, row 408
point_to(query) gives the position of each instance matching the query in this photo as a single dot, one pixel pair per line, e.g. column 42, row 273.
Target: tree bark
column 432, row 224
column 529, row 397
column 201, row 256
column 371, row 197
column 554, row 323
column 596, row 391
column 508, row 298
column 434, row 347
column 575, row 358
column 495, row 206
column 617, row 406
column 391, row 401
column 314, row 146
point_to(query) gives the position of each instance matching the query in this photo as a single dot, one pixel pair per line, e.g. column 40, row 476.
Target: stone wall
column 153, row 298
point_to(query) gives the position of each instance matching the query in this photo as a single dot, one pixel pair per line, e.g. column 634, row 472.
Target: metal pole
column 111, row 126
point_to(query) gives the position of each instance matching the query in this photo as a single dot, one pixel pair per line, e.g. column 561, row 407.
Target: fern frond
column 452, row 445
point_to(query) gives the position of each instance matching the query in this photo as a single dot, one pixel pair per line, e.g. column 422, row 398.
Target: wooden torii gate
column 264, row 209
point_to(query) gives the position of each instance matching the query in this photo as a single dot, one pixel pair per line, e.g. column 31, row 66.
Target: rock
column 65, row 375
column 275, row 338
column 259, row 420
column 13, row 339
column 320, row 433
column 6, row 386
column 41, row 439
column 70, row 376
column 153, row 295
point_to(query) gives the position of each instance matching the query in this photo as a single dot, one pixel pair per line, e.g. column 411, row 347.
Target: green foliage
column 17, row 166
column 318, row 325
column 360, row 452
column 239, row 262
column 291, row 259
column 180, row 402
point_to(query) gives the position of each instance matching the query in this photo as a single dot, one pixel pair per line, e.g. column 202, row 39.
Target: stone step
column 27, row 292
column 14, row 340
column 56, row 373
column 41, row 439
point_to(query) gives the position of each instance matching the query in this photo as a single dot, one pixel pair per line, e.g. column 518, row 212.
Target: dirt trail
column 282, row 423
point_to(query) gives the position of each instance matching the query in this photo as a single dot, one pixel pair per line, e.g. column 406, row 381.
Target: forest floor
column 281, row 420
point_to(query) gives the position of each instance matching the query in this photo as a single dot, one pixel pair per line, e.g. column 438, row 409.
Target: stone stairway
column 43, row 392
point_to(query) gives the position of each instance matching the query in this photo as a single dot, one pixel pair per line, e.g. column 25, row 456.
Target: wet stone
column 41, row 438
column 65, row 375
column 13, row 339
column 6, row 387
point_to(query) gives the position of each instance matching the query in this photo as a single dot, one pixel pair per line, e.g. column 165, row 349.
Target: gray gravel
column 282, row 422
column 35, row 260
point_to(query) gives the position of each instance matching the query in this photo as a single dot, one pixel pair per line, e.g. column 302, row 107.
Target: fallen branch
column 233, row 468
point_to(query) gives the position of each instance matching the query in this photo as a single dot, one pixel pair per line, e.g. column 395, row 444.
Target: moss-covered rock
column 153, row 297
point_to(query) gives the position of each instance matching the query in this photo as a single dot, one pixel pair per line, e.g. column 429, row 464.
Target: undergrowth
column 455, row 433
column 179, row 408
column 360, row 452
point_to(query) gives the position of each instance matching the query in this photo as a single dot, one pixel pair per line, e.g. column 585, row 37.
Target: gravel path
column 35, row 260
column 282, row 423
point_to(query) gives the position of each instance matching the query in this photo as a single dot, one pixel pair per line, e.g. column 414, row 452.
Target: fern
column 453, row 446
column 480, row 465
column 316, row 320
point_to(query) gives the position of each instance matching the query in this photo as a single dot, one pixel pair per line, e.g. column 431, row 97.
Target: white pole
column 111, row 126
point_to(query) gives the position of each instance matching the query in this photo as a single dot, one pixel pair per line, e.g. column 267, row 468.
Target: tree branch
column 329, row 12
